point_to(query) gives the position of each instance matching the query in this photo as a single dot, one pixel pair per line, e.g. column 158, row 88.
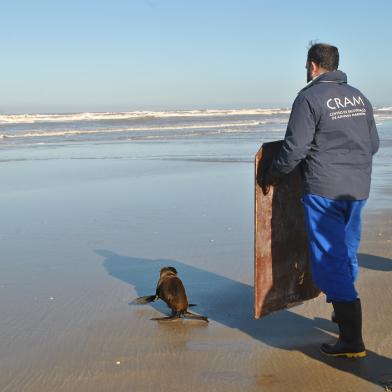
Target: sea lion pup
column 171, row 290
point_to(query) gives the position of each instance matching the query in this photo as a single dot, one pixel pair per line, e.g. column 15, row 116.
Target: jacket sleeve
column 298, row 139
column 374, row 139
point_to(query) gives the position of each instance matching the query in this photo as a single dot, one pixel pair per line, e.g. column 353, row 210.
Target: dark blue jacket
column 332, row 134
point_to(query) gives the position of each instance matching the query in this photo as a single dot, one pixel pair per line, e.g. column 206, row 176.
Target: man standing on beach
column 332, row 135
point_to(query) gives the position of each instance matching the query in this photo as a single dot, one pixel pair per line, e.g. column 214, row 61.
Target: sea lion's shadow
column 231, row 303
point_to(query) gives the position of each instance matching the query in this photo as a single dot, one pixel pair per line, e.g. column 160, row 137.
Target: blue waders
column 334, row 234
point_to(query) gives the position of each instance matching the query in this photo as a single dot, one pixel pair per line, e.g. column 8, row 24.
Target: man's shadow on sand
column 285, row 329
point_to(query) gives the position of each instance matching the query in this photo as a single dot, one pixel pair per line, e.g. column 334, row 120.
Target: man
column 332, row 135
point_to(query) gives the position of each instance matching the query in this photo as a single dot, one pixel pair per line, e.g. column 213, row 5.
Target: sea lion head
column 168, row 271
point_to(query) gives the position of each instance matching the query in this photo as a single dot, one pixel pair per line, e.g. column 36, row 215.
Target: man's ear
column 314, row 68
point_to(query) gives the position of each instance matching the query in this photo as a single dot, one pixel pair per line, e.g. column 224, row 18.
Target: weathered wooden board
column 282, row 271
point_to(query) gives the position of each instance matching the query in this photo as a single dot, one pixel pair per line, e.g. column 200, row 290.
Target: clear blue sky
column 83, row 55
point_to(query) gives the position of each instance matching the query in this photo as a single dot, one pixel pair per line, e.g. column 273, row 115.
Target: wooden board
column 282, row 272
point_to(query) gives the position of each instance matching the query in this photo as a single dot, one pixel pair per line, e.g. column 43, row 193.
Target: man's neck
column 320, row 72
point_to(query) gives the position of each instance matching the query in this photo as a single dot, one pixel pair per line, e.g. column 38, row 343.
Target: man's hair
column 324, row 55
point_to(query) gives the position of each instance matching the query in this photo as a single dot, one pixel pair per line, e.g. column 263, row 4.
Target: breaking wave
column 59, row 133
column 35, row 129
column 103, row 116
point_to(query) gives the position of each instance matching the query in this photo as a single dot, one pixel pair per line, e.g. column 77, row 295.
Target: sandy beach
column 83, row 234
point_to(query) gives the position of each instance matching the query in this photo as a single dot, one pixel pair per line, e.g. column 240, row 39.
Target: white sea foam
column 107, row 116
column 102, row 116
column 58, row 133
column 383, row 113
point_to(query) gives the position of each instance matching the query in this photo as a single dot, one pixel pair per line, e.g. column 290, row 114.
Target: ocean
column 230, row 134
column 38, row 129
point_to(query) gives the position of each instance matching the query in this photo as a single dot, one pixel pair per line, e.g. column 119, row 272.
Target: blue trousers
column 334, row 234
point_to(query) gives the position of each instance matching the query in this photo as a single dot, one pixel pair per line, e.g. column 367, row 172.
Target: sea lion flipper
column 145, row 300
column 195, row 316
column 172, row 317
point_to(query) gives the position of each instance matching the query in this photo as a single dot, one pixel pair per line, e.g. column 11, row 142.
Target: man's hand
column 267, row 179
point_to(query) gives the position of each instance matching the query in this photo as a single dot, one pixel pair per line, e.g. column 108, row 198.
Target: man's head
column 321, row 58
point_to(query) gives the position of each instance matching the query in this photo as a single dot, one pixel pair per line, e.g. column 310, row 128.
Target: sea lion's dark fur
column 171, row 290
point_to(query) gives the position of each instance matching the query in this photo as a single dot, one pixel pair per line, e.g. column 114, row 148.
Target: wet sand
column 82, row 238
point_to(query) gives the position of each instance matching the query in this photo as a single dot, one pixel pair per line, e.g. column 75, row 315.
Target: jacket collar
column 328, row 77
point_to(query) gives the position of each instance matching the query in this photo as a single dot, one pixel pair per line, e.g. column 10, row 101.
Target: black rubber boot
column 350, row 343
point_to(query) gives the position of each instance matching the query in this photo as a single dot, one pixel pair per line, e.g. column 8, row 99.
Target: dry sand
column 81, row 241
